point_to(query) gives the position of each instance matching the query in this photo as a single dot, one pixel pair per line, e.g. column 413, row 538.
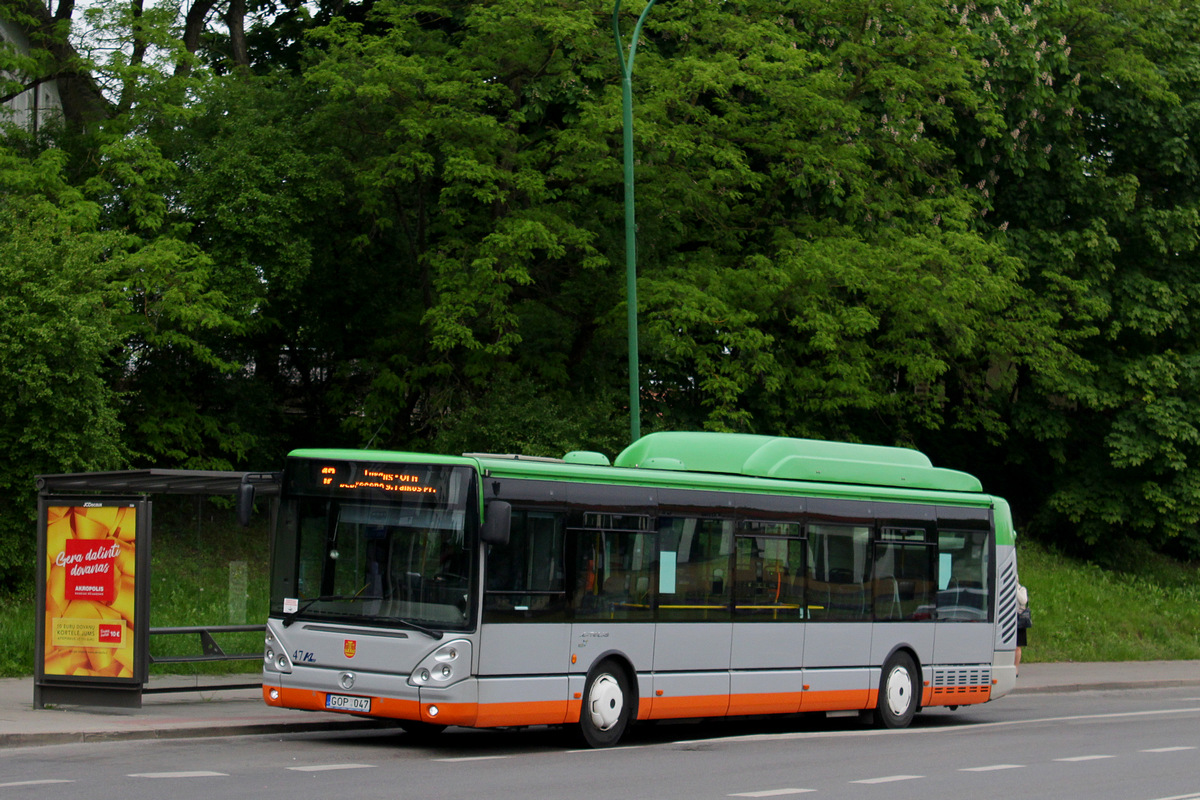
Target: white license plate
column 344, row 702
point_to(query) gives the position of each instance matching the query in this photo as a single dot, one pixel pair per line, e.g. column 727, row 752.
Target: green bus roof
column 731, row 461
column 794, row 459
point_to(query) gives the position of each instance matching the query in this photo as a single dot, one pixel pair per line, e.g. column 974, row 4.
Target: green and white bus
column 699, row 575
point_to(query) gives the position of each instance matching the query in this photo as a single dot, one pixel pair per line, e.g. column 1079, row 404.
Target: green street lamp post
column 635, row 411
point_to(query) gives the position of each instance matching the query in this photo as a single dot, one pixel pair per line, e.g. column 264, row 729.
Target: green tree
column 59, row 329
column 966, row 228
column 823, row 269
column 811, row 259
column 1108, row 223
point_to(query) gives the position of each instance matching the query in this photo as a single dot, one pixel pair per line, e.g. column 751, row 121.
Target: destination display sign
column 356, row 478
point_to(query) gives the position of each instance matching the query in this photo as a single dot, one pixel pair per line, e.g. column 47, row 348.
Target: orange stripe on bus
column 558, row 712
column 465, row 714
column 498, row 715
column 311, row 700
column 643, row 712
column 767, row 703
column 959, row 695
column 839, row 700
column 715, row 705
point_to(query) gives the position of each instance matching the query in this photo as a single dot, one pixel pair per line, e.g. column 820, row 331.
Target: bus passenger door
column 524, row 637
column 612, row 602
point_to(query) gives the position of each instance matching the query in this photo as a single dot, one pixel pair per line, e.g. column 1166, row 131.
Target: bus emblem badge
column 349, row 646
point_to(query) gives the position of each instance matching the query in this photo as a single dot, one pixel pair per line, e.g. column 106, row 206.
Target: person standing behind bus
column 1024, row 621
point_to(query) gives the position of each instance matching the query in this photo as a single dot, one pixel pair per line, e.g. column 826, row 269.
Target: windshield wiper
column 404, row 623
column 289, row 618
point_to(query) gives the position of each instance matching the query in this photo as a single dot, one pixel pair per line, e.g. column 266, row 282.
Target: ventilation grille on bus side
column 954, row 686
column 1006, row 603
column 948, row 680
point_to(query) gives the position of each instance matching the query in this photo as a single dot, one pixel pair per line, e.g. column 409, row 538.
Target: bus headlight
column 446, row 665
column 274, row 656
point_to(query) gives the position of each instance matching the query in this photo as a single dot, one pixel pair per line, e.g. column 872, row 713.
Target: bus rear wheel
column 897, row 693
column 607, row 705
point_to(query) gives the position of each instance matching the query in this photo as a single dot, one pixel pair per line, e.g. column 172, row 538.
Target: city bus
column 694, row 576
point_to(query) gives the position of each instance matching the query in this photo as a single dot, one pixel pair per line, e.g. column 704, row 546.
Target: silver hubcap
column 899, row 691
column 605, row 702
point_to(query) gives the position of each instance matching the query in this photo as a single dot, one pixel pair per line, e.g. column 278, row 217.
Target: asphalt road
column 1128, row 744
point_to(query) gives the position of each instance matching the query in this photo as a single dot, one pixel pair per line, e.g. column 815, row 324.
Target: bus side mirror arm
column 496, row 519
column 245, row 503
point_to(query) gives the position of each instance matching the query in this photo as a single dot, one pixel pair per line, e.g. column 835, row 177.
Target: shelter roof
column 159, row 481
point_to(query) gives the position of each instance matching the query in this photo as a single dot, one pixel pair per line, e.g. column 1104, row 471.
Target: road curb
column 43, row 738
column 1105, row 687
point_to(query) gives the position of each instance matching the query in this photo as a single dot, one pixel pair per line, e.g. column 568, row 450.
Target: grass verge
column 1147, row 608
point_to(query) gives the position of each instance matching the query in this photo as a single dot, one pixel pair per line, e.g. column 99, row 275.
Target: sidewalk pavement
column 168, row 712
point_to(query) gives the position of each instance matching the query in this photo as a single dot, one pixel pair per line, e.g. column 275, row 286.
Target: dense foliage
column 967, row 228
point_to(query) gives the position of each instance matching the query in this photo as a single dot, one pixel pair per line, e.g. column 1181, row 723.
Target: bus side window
column 694, row 564
column 905, row 569
column 526, row 576
column 963, row 590
column 837, row 572
column 614, row 568
column 769, row 572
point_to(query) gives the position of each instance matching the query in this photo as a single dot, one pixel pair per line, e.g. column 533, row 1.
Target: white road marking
column 771, row 793
column 947, row 730
column 1166, row 749
column 469, row 758
column 192, row 774
column 891, row 779
column 32, row 783
column 331, row 767
column 1192, row 796
column 1084, row 758
column 992, row 767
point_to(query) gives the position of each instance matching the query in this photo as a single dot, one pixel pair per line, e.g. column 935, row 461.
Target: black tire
column 897, row 692
column 607, row 705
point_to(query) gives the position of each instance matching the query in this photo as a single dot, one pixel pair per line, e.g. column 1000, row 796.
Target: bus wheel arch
column 609, row 702
column 899, row 690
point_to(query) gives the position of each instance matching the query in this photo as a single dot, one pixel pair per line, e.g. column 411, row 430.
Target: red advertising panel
column 90, row 609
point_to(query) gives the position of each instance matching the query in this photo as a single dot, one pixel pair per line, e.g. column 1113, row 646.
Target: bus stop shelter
column 93, row 577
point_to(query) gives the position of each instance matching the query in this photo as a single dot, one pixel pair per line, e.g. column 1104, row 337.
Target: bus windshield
column 376, row 544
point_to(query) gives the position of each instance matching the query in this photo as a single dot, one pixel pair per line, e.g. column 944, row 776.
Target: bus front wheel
column 607, row 705
column 897, row 693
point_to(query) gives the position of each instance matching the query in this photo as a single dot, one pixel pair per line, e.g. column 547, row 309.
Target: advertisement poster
column 90, row 609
